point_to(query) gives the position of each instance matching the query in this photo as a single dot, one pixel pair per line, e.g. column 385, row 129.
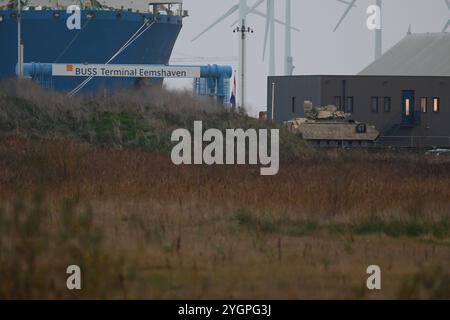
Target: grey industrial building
column 405, row 94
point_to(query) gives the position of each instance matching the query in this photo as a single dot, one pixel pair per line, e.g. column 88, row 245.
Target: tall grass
column 143, row 228
column 324, row 189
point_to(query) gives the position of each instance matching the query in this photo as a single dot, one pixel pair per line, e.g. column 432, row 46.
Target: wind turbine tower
column 379, row 33
column 270, row 29
column 288, row 59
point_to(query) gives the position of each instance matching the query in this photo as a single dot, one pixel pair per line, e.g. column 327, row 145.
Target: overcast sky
column 316, row 49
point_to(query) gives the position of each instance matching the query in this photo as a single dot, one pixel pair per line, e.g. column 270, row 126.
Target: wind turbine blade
column 259, row 13
column 251, row 9
column 346, row 2
column 446, row 26
column 266, row 34
column 448, row 22
column 284, row 24
column 256, row 5
column 349, row 7
column 232, row 10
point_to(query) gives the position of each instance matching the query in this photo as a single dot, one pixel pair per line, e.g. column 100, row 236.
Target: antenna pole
column 19, row 42
column 243, row 64
column 243, row 30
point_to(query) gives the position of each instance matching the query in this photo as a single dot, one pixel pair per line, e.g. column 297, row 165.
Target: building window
column 424, row 105
column 387, row 104
column 436, row 104
column 293, row 104
column 374, row 104
column 407, row 107
column 349, row 105
column 338, row 102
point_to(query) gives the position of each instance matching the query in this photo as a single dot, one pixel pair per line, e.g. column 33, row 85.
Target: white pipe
column 273, row 101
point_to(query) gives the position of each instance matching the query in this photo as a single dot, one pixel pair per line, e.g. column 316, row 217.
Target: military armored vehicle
column 329, row 127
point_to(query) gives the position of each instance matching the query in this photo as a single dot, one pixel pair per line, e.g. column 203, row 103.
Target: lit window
column 436, row 104
column 349, row 105
column 337, row 102
column 424, row 105
column 408, row 107
column 387, row 104
column 374, row 104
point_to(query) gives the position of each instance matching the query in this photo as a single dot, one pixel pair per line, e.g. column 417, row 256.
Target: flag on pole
column 233, row 93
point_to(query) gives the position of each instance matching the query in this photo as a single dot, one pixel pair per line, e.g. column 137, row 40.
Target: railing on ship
column 164, row 7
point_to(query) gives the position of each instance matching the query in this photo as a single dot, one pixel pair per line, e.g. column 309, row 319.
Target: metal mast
column 19, row 41
column 243, row 30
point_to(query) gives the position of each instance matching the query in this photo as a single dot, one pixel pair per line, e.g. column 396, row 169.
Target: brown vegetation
column 142, row 228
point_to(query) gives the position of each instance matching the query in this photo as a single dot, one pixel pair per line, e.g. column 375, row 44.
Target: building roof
column 415, row 55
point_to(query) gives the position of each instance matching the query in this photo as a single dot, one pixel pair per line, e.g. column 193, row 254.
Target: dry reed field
column 140, row 227
column 91, row 183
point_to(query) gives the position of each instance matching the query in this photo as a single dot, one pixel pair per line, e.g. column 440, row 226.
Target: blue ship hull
column 47, row 39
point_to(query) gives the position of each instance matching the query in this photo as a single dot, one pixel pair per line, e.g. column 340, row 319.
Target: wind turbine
column 448, row 22
column 378, row 31
column 243, row 9
column 270, row 32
